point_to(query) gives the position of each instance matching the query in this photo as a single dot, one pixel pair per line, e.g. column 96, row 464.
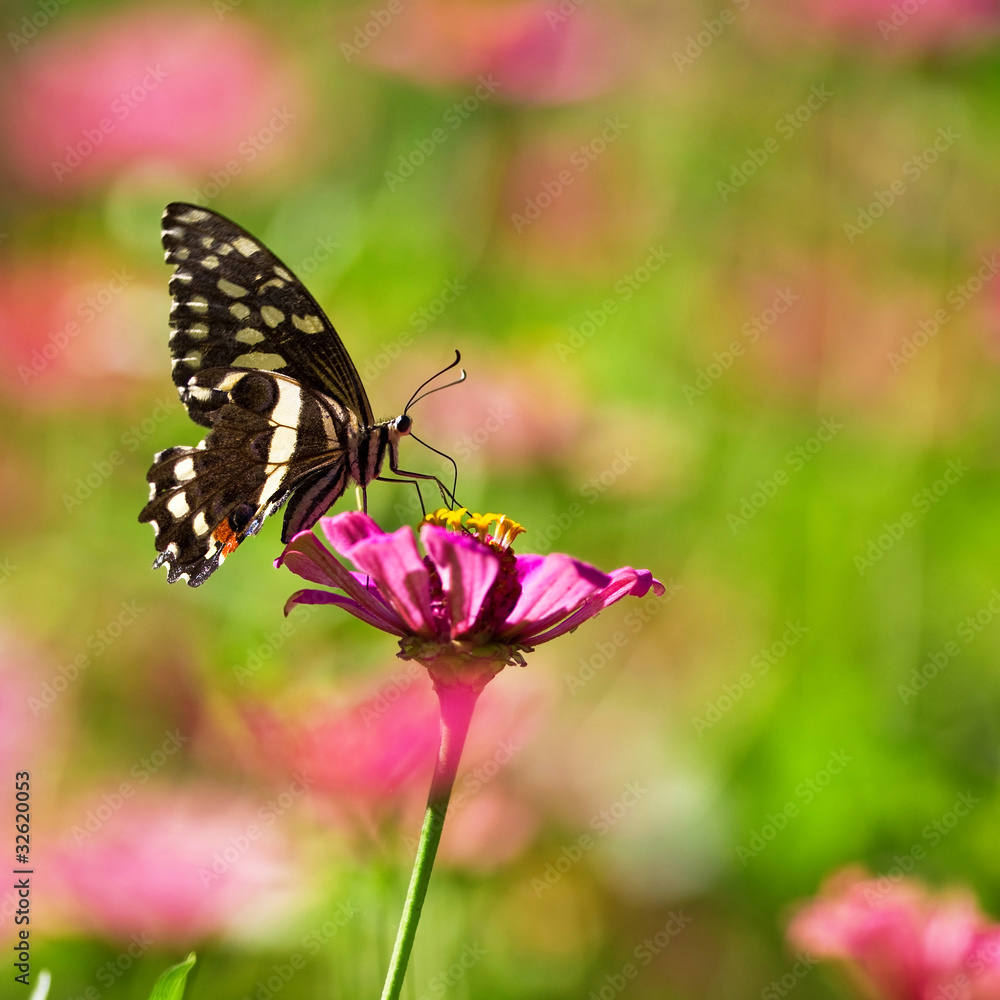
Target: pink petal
column 387, row 622
column 306, row 557
column 345, row 530
column 551, row 588
column 467, row 569
column 394, row 563
column 625, row 582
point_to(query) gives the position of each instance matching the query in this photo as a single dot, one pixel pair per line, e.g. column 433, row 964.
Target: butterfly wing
column 236, row 305
column 270, row 436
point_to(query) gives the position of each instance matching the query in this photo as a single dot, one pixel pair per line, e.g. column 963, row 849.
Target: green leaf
column 170, row 986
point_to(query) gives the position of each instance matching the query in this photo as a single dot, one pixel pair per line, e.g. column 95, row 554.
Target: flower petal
column 345, row 530
column 394, row 563
column 305, row 556
column 467, row 568
column 625, row 582
column 392, row 625
column 551, row 588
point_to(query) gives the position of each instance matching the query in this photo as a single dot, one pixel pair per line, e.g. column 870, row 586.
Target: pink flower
column 900, row 941
column 532, row 52
column 178, row 866
column 470, row 605
column 159, row 85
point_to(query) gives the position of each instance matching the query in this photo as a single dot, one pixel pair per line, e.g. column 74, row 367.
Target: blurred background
column 722, row 275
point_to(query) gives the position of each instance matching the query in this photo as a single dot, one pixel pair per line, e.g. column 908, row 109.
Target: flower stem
column 457, row 702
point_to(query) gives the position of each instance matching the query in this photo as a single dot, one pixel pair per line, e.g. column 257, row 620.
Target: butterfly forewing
column 236, row 305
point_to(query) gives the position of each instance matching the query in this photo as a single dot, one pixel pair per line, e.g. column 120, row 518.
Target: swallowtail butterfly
column 256, row 361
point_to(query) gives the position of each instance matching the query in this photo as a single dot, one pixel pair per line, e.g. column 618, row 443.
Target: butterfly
column 256, row 361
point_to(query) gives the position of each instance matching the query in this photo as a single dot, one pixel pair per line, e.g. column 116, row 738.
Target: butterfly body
column 257, row 362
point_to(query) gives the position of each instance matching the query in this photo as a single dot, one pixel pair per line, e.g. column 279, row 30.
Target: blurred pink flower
column 177, row 865
column 536, row 52
column 69, row 328
column 365, row 756
column 153, row 84
column 900, row 24
column 900, row 941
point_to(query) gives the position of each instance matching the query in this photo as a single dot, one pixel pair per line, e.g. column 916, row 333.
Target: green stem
column 457, row 702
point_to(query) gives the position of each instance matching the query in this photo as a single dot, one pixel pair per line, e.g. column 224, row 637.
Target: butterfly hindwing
column 271, row 436
column 236, row 305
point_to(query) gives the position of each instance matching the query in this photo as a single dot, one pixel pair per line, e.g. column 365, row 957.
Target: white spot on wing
column 267, row 362
column 211, row 262
column 282, row 273
column 307, row 324
column 246, row 246
column 198, row 330
column 239, row 310
column 178, row 505
column 233, row 291
column 286, row 411
column 200, row 524
column 193, row 215
column 271, row 316
column 198, row 304
column 249, row 336
column 184, row 469
column 207, row 241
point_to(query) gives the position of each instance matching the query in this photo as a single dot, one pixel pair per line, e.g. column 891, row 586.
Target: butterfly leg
column 413, row 483
column 446, row 494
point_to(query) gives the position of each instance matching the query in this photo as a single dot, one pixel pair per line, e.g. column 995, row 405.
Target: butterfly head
column 402, row 425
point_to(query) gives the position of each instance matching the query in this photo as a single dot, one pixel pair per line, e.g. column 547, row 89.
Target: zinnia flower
column 465, row 610
column 901, row 942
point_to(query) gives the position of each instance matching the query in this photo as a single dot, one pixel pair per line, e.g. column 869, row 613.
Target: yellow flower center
column 500, row 537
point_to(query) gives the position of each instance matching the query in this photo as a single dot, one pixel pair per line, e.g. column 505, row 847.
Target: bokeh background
column 724, row 280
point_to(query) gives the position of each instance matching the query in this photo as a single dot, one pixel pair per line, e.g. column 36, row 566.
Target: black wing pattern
column 270, row 436
column 237, row 306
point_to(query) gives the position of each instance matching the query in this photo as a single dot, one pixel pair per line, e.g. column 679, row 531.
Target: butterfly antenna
column 416, row 397
column 454, row 485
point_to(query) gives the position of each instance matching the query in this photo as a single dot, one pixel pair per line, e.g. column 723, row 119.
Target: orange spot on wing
column 227, row 537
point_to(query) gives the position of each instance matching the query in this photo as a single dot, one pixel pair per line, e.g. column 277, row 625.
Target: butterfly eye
column 403, row 424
